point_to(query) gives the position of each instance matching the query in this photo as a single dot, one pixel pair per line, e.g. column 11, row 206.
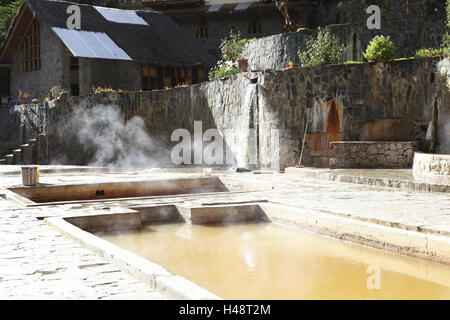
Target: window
column 29, row 52
column 355, row 48
column 74, row 76
column 202, row 30
column 158, row 77
column 254, row 27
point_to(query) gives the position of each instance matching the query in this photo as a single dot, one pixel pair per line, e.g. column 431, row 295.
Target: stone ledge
column 424, row 184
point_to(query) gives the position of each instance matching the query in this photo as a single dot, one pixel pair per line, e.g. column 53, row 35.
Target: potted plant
column 23, row 97
column 242, row 64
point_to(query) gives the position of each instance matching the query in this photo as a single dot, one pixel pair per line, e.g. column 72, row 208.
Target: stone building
column 412, row 23
column 123, row 49
column 212, row 20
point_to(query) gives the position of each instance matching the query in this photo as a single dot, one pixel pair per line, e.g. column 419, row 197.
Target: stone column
column 85, row 76
column 41, row 149
column 33, row 146
column 17, row 156
column 9, row 159
column 27, row 155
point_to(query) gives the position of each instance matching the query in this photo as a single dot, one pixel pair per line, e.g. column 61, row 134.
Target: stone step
column 9, row 159
column 17, row 154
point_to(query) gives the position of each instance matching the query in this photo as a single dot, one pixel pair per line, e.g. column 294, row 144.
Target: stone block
column 349, row 163
column 334, row 163
column 365, row 163
column 372, row 150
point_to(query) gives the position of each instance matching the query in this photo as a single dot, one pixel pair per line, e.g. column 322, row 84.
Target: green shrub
column 428, row 53
column 380, row 49
column 446, row 40
column 323, row 49
column 223, row 69
column 244, row 41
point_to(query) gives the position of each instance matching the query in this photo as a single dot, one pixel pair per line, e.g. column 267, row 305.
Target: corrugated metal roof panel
column 242, row 6
column 215, row 7
column 121, row 16
column 89, row 44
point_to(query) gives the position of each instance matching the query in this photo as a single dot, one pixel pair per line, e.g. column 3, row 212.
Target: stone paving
column 37, row 262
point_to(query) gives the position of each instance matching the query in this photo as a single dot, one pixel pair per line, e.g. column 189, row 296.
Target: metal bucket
column 30, row 175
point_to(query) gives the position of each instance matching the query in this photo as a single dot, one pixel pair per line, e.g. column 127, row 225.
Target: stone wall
column 264, row 115
column 371, row 154
column 361, row 102
column 408, row 33
column 223, row 105
column 441, row 110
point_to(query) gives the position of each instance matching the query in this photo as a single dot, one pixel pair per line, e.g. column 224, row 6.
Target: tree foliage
column 7, row 12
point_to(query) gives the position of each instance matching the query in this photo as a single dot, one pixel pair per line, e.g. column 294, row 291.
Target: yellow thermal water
column 268, row 261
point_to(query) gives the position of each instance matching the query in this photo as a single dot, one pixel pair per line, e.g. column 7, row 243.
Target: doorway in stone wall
column 333, row 124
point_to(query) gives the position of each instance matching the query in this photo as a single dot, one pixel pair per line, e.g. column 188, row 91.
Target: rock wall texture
column 441, row 109
column 363, row 102
column 262, row 116
column 371, row 154
column 223, row 105
column 409, row 33
column 431, row 164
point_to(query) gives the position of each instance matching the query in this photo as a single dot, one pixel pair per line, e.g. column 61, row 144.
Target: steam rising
column 115, row 141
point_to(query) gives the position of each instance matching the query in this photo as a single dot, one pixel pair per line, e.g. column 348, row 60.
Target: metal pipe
column 303, row 144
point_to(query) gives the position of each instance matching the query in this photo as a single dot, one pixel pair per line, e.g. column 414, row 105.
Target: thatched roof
column 161, row 41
